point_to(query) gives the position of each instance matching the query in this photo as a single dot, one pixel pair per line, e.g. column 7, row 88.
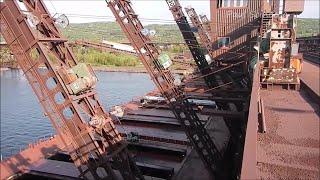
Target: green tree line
column 96, row 57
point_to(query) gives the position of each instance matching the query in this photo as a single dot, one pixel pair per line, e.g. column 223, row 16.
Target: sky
column 149, row 11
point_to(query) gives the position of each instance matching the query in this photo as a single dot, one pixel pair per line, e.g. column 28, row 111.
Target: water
column 22, row 119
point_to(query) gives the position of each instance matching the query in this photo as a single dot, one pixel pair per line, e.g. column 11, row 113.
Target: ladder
column 164, row 80
column 203, row 34
column 206, row 24
column 213, row 74
column 192, row 43
column 265, row 24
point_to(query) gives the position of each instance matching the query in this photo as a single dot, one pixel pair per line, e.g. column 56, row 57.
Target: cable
column 53, row 7
column 164, row 21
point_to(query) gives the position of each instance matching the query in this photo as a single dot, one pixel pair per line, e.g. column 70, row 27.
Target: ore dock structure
column 248, row 110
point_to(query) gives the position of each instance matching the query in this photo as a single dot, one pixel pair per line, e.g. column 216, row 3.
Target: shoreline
column 125, row 69
column 102, row 69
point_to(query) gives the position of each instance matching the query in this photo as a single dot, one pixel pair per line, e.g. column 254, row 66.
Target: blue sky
column 80, row 11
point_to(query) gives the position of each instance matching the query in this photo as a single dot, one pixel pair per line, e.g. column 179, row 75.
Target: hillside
column 308, row 27
column 111, row 31
column 164, row 32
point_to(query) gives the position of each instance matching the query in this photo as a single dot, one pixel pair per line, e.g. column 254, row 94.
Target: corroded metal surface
column 229, row 37
column 204, row 35
column 165, row 83
column 34, row 153
column 248, row 170
column 70, row 114
column 290, row 148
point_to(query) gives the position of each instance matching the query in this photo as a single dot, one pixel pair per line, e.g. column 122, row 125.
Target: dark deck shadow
column 311, row 97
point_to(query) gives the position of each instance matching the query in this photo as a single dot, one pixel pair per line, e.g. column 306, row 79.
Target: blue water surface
column 22, row 119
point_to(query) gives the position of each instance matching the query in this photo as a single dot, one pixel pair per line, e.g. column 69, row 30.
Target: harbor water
column 22, row 118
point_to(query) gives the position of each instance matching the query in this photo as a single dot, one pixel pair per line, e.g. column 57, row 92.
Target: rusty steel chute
column 165, row 82
column 65, row 89
column 203, row 34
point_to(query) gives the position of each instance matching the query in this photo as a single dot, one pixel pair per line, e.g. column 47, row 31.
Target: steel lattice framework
column 191, row 42
column 209, row 72
column 206, row 24
column 41, row 52
column 164, row 80
column 204, row 35
column 218, row 72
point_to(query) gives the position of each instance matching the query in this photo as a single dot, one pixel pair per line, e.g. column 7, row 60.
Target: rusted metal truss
column 203, row 34
column 86, row 130
column 165, row 82
column 209, row 72
column 206, row 24
column 240, row 23
column 237, row 30
column 191, row 41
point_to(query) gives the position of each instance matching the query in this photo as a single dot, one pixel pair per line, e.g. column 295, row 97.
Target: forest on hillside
column 111, row 31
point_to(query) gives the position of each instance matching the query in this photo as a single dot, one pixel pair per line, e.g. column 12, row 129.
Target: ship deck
column 288, row 149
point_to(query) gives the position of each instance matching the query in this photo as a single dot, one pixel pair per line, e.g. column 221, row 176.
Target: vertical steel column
column 183, row 111
column 192, row 42
column 203, row 34
column 206, row 24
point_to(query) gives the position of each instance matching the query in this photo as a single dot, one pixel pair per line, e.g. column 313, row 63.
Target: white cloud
column 311, row 9
column 155, row 11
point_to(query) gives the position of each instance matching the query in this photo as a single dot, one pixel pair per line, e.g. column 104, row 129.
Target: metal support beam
column 191, row 41
column 203, row 34
column 42, row 57
column 164, row 80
